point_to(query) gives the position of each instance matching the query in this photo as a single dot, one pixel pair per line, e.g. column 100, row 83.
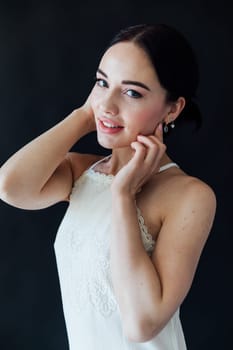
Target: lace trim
column 77, row 183
column 104, row 178
column 110, row 176
column 148, row 241
column 85, row 268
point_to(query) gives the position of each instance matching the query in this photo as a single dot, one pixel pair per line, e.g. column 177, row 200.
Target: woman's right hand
column 86, row 107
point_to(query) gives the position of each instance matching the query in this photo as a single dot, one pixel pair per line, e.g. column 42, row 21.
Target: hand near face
column 144, row 163
column 90, row 114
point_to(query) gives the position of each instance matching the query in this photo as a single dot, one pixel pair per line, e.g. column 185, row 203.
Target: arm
column 40, row 174
column 149, row 291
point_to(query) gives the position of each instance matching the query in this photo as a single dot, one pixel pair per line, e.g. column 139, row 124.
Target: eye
column 133, row 94
column 101, row 82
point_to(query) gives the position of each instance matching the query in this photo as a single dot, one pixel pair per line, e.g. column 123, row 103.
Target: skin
column 178, row 209
column 116, row 101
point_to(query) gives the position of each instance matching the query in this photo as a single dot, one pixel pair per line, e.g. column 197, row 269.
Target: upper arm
column 42, row 189
column 180, row 242
column 59, row 186
column 56, row 189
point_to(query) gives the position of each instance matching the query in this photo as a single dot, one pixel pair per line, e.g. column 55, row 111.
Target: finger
column 159, row 132
column 158, row 137
column 157, row 141
column 155, row 150
column 153, row 142
column 140, row 151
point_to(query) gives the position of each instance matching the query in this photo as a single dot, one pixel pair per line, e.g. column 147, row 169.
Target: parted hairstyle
column 174, row 61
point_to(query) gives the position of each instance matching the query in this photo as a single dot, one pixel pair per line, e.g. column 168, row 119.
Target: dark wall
column 49, row 51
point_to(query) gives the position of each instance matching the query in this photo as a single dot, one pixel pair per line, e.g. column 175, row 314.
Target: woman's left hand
column 144, row 163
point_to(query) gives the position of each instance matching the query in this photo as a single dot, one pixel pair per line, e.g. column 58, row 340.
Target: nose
column 109, row 105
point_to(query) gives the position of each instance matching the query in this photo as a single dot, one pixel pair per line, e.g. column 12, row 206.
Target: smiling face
column 127, row 99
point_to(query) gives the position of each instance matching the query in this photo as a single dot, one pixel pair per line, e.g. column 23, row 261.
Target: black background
column 49, row 51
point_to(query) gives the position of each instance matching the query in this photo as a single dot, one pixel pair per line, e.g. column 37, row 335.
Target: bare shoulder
column 175, row 197
column 187, row 212
column 189, row 204
column 174, row 186
column 187, row 191
column 79, row 162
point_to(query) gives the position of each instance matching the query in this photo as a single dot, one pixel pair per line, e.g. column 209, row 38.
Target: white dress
column 92, row 316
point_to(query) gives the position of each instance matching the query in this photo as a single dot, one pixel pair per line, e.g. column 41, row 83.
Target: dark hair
column 174, row 61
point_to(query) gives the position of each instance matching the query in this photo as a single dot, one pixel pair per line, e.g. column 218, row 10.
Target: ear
column 175, row 109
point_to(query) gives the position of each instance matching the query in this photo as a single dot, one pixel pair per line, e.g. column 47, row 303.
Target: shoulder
column 188, row 210
column 187, row 202
column 198, row 200
column 174, row 197
column 187, row 191
column 174, row 187
column 79, row 162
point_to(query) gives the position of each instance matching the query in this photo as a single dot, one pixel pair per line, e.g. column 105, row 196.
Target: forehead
column 129, row 61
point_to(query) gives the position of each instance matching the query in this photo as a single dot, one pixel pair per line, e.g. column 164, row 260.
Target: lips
column 109, row 126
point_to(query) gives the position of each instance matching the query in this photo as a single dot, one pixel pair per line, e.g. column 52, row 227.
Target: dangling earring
column 172, row 125
column 165, row 128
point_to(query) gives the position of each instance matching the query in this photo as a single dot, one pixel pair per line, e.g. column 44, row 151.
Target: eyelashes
column 102, row 83
column 133, row 93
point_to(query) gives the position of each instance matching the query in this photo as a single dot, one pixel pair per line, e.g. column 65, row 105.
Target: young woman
column 128, row 246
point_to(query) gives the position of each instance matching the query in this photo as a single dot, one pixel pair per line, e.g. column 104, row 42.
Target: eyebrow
column 127, row 82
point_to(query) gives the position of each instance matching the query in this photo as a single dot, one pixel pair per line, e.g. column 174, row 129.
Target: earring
column 165, row 128
column 172, row 125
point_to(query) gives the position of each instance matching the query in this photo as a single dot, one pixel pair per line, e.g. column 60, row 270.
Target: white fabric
column 91, row 311
column 167, row 166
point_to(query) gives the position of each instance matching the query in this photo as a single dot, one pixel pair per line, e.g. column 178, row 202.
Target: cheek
column 94, row 98
column 149, row 118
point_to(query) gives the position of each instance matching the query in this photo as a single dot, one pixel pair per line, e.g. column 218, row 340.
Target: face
column 127, row 98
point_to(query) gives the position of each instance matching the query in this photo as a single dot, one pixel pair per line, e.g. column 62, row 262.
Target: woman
column 128, row 246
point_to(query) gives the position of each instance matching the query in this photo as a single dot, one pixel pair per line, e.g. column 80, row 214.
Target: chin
column 108, row 143
column 104, row 143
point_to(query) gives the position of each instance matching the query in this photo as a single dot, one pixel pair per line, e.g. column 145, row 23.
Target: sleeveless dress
column 82, row 245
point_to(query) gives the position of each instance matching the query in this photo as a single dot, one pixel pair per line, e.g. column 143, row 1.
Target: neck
column 121, row 156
